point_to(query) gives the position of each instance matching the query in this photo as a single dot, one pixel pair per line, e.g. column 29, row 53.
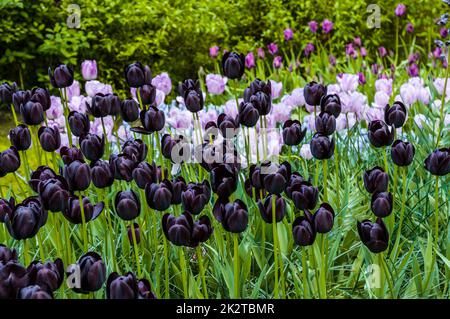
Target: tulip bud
column 381, row 204
column 227, row 125
column 233, row 65
column 100, row 106
column 438, row 162
column 153, row 120
column 145, row 289
column 277, row 177
column 224, row 179
column 293, row 133
column 303, row 230
column 314, row 92
column 137, row 234
column 127, row 205
column 34, row 292
column 61, row 77
column 374, row 235
column 303, row 194
column 79, row 123
column 375, row 180
column 324, row 219
column 379, row 134
column 257, row 86
column 136, row 150
column 19, row 98
column 71, row 154
column 331, row 104
column 92, row 146
column 50, row 138
column 73, row 214
column 402, row 153
column 26, row 219
column 41, row 96
column 129, row 110
column 32, row 113
column 233, row 216
column 48, row 276
column 114, row 104
column 20, row 137
column 6, row 92
column 262, row 102
column 178, row 187
column 54, row 194
column 181, row 148
column 195, row 197
column 78, row 176
column 123, row 166
column 13, row 277
column 248, row 114
column 7, row 254
column 147, row 93
column 325, row 124
column 137, row 75
column 321, row 146
column 122, row 287
column 144, row 174
column 9, row 161
column 102, row 173
column 266, row 208
column 395, row 115
column 159, row 196
column 6, row 208
column 192, row 94
column 92, row 271
column 42, row 173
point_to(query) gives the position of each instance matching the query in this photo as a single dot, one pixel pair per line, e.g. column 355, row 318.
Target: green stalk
column 161, row 160
column 275, row 244
column 26, row 252
column 325, row 180
column 202, row 271
column 183, row 272
column 136, row 249
column 336, row 171
column 323, row 271
column 66, row 114
column 236, row 265
column 166, row 269
column 305, row 274
column 106, row 138
column 380, row 267
column 402, row 213
column 14, row 115
column 83, row 223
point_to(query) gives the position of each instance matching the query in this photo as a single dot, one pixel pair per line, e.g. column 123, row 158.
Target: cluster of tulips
column 99, row 177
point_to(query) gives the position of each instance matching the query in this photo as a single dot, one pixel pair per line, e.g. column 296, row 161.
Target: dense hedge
column 175, row 35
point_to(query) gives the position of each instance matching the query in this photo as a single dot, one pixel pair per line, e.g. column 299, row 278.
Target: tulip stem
column 236, row 265
column 275, row 244
column 336, row 171
column 402, row 212
column 381, row 269
column 135, row 248
column 106, row 138
column 305, row 273
column 166, row 268
column 386, row 167
column 161, row 160
column 26, row 252
column 202, row 271
column 83, row 223
column 183, row 269
column 66, row 114
column 41, row 246
column 325, row 180
column 13, row 111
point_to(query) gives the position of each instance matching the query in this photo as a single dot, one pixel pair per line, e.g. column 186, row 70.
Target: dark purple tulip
column 92, row 146
column 303, row 230
column 438, row 162
column 293, row 133
column 137, row 233
column 375, row 180
column 42, row 173
column 13, row 277
column 6, row 208
column 325, row 124
column 73, row 213
column 303, row 194
column 257, row 86
column 262, row 102
column 61, row 77
column 256, row 175
column 379, row 134
column 136, row 150
column 19, row 98
column 168, row 143
column 322, row 147
column 100, row 106
column 26, row 219
column 71, row 154
column 233, row 65
column 159, row 196
column 178, row 186
column 382, row 204
column 144, row 174
column 50, row 138
column 102, row 173
column 277, row 177
column 48, row 275
column 148, row 94
column 324, row 218
column 145, row 289
column 34, row 292
column 137, row 75
column 192, row 95
column 129, row 110
column 224, row 179
column 248, row 114
column 314, row 92
column 196, row 197
column 395, row 115
column 123, row 166
column 9, row 161
column 20, row 137
column 7, row 254
column 211, row 131
column 6, row 92
column 331, row 104
column 54, row 194
column 183, row 231
column 127, row 205
column 266, row 208
column 92, row 271
column 114, row 104
column 79, row 123
column 233, row 216
column 122, row 287
column 153, row 120
column 374, row 235
column 202, row 230
column 227, row 125
column 402, row 153
column 294, row 181
column 78, row 175
column 32, row 113
column 41, row 96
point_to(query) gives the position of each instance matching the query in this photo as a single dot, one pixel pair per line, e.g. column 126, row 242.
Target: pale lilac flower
column 327, row 26
column 207, row 116
column 309, row 49
column 295, row 99
column 310, row 121
column 261, row 53
column 250, row 60
column 65, row 140
column 179, row 119
column 276, row 89
column 348, row 82
column 384, row 85
column 423, row 95
column 439, row 84
column 400, row 10
column 230, row 107
column 409, row 27
column 363, row 52
column 310, row 108
column 93, row 87
column 408, row 94
column 272, row 48
column 73, row 90
column 281, row 112
column 274, row 144
column 214, row 51
column 305, row 152
column 381, row 99
column 353, row 102
column 124, row 133
column 447, row 120
column 420, row 120
column 216, row 83
column 277, row 62
column 96, row 126
column 89, row 70
column 78, row 103
column 313, row 26
column 288, row 34
column 56, row 109
column 436, row 104
column 160, row 96
column 162, row 82
column 59, row 122
column 382, row 51
column 374, row 113
column 333, row 89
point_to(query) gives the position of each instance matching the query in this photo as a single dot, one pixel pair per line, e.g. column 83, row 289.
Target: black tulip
column 6, row 208
column 42, row 173
column 48, row 275
column 137, row 233
column 34, row 292
column 100, row 105
column 61, row 77
column 233, row 216
column 178, row 187
column 147, row 93
column 381, row 204
column 227, row 125
column 50, row 138
column 331, row 103
column 395, row 115
column 374, row 235
column 79, row 123
column 224, row 179
column 196, row 197
column 20, row 137
column 265, row 208
column 303, row 230
column 144, row 174
column 92, row 272
column 19, row 98
column 102, row 173
column 257, row 86
column 152, row 120
column 293, row 133
column 6, row 92
column 42, row 96
column 324, row 218
column 54, row 194
column 92, row 146
column 71, row 154
column 13, row 277
column 129, row 110
column 192, row 94
column 322, row 147
column 127, row 205
column 122, row 287
column 135, row 149
column 73, row 213
column 32, row 113
column 314, row 92
column 402, row 153
column 277, row 177
column 375, row 180
column 303, row 194
column 262, row 102
column 78, row 175
column 325, row 123
column 159, row 196
column 248, row 114
column 114, row 104
column 7, row 254
column 123, row 166
column 9, row 161
column 26, row 219
column 137, row 75
column 145, row 289
column 379, row 134
column 294, row 180
column 174, row 148
column 233, row 65
column 438, row 162
column 184, row 231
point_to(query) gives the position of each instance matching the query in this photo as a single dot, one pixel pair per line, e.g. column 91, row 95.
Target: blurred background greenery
column 175, row 35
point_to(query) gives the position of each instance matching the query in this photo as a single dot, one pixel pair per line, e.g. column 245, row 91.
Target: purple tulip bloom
column 261, row 53
column 361, row 78
column 214, row 51
column 250, row 60
column 288, row 34
column 382, row 51
column 277, row 62
column 400, row 10
column 309, row 49
column 216, row 83
column 89, row 70
column 313, row 26
column 273, row 48
column 409, row 27
column 163, row 83
column 327, row 26
column 413, row 70
column 332, row 60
